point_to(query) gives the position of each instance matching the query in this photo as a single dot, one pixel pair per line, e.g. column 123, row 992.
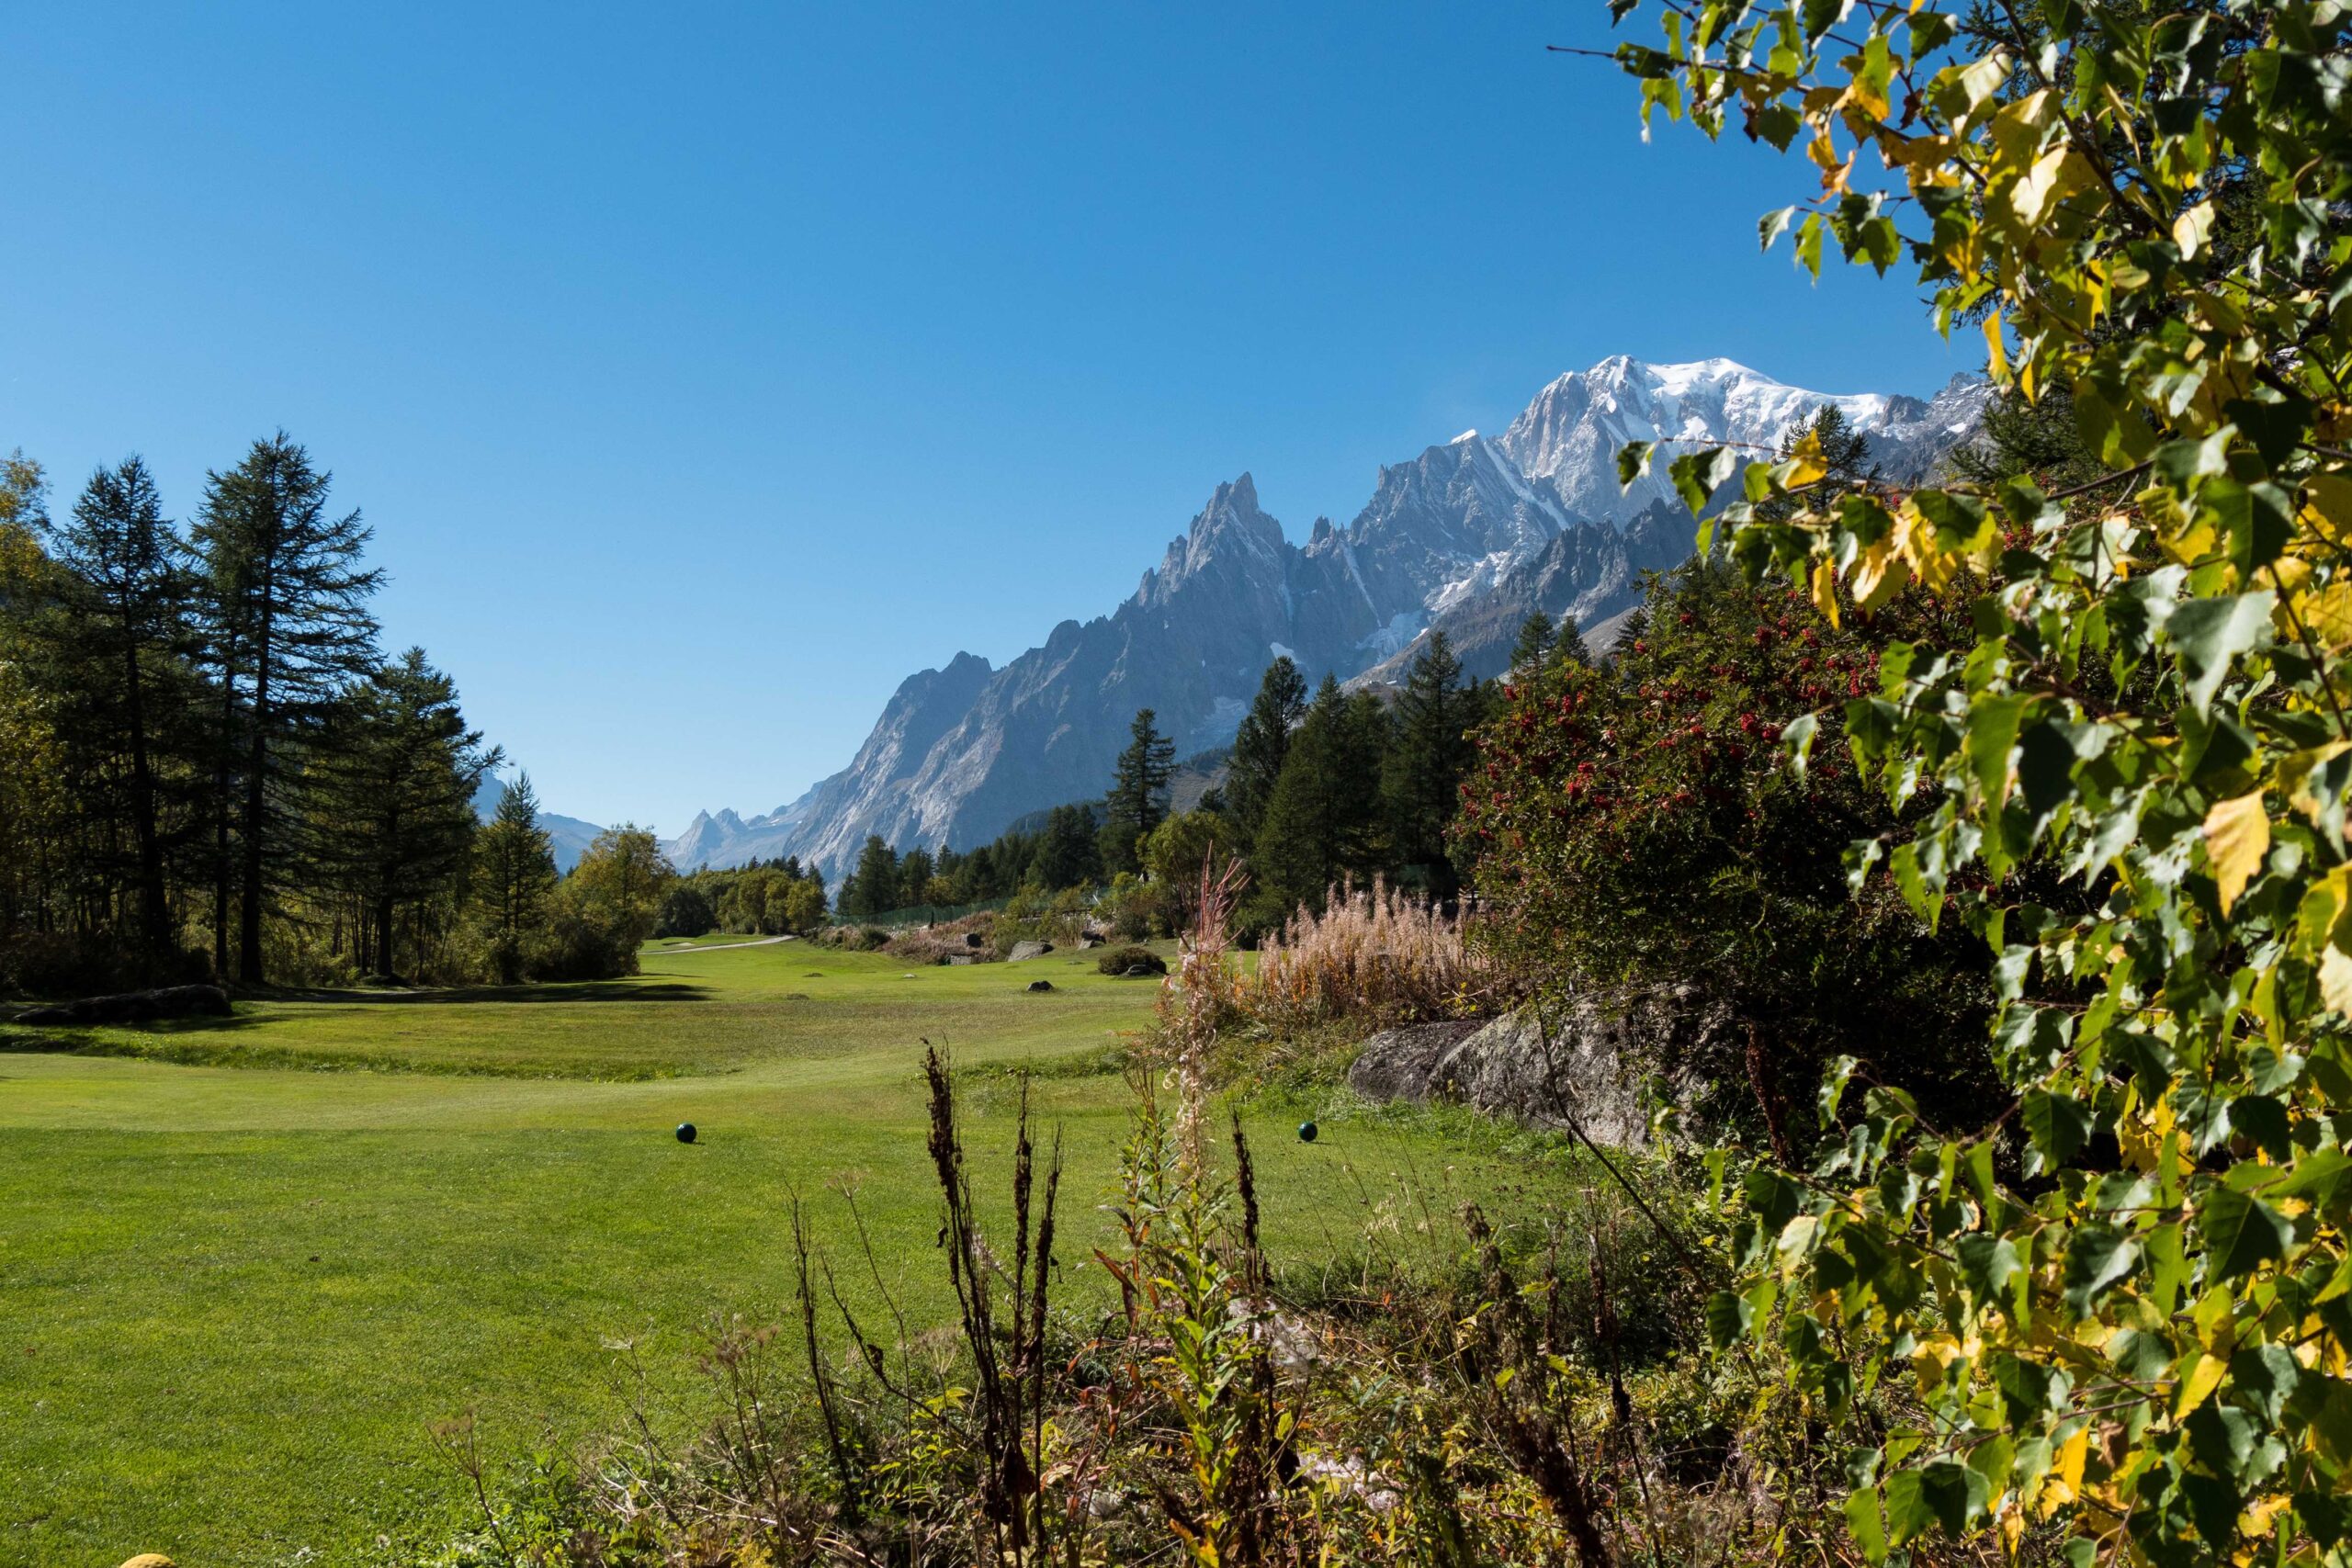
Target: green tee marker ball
column 1306, row 1132
column 686, row 1131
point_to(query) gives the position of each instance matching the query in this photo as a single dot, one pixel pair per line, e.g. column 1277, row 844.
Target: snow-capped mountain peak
column 1467, row 537
column 1571, row 432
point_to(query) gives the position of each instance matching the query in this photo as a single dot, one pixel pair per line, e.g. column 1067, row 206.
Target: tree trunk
column 249, row 965
column 221, row 776
column 384, row 936
column 155, row 913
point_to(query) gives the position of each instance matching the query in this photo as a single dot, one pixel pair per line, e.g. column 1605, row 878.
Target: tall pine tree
column 121, row 639
column 1069, row 854
column 874, row 885
column 395, row 788
column 1323, row 822
column 1262, row 743
column 291, row 622
column 514, row 877
column 1138, row 799
column 1568, row 643
column 1535, row 638
column 1422, row 779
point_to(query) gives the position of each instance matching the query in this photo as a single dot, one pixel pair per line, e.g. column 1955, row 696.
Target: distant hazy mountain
column 568, row 835
column 1468, row 537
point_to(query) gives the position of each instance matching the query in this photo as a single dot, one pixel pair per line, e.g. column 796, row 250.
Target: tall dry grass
column 1375, row 954
column 1197, row 998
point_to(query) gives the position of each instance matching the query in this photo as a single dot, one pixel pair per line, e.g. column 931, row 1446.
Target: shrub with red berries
column 1636, row 825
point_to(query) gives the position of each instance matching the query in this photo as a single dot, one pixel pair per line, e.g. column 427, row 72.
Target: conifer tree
column 1844, row 451
column 876, row 885
column 395, row 788
column 916, row 869
column 124, row 593
column 514, row 876
column 290, row 624
column 1262, row 743
column 1423, row 779
column 1568, row 644
column 1322, row 823
column 1138, row 799
column 1535, row 638
column 1067, row 854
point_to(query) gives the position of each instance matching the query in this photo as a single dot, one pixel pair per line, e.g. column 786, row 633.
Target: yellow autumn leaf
column 1996, row 348
column 2336, row 980
column 2202, row 1379
column 2149, row 1144
column 1825, row 590
column 2064, row 1482
column 2040, row 187
column 2237, row 835
column 2327, row 506
column 1879, row 573
column 1915, row 541
column 1805, row 463
column 2260, row 1514
column 2295, row 776
column 2188, row 229
column 2328, row 616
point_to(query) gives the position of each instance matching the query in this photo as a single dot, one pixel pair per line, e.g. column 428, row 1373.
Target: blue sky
column 705, row 371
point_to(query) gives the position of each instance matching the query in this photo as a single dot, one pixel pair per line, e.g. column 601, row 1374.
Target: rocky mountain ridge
column 1468, row 537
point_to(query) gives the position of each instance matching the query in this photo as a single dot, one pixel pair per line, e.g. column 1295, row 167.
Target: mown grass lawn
column 245, row 1267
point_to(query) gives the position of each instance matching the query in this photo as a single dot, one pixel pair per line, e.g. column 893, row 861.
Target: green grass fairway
column 244, row 1265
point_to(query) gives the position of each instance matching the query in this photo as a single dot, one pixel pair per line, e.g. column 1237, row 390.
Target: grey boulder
column 1580, row 1065
column 1400, row 1063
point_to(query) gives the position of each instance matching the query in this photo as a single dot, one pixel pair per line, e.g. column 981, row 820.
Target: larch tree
column 874, row 888
column 291, row 626
column 32, row 798
column 1068, row 853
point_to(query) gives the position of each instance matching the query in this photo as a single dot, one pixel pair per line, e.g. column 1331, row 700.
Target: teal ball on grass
column 1306, row 1130
column 686, row 1131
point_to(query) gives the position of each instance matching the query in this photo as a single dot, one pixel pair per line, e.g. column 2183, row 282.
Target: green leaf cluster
column 2125, row 1304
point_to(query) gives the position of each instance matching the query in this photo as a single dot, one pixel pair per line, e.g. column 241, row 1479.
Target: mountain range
column 1468, row 537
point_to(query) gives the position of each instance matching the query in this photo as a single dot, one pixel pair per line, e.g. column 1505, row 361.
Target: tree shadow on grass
column 580, row 991
column 74, row 1037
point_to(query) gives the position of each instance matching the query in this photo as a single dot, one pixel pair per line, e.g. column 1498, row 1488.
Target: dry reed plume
column 1374, row 954
column 1197, row 998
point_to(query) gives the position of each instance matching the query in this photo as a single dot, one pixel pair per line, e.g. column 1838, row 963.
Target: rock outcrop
column 136, row 1007
column 1581, row 1065
column 1401, row 1063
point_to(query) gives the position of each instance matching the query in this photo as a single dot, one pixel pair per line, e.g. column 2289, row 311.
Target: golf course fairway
column 246, row 1264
